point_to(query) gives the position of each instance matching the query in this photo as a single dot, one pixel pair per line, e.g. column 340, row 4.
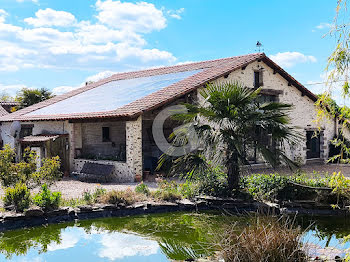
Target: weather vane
column 259, row 47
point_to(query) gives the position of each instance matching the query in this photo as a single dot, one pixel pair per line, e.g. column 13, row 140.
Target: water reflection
column 116, row 246
column 175, row 236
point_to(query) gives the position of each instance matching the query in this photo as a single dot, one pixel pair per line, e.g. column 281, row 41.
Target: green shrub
column 88, row 197
column 72, row 202
column 167, row 191
column 142, row 189
column 12, row 173
column 46, row 199
column 25, row 171
column 214, row 183
column 188, row 189
column 314, row 180
column 99, row 191
column 340, row 185
column 91, row 198
column 265, row 186
column 298, row 187
column 18, row 196
column 166, row 195
column 49, row 171
column 127, row 197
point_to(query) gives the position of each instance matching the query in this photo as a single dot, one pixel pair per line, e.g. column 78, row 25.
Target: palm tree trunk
column 233, row 173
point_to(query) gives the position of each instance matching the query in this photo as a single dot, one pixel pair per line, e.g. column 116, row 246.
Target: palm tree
column 230, row 122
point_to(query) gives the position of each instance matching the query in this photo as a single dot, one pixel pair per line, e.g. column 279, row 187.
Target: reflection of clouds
column 69, row 238
column 120, row 245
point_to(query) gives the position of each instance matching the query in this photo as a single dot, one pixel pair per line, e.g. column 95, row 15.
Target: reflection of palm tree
column 181, row 251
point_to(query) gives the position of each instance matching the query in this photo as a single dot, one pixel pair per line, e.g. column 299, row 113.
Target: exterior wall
column 122, row 172
column 41, row 127
column 134, row 146
column 303, row 113
column 129, row 132
column 125, row 172
column 91, row 138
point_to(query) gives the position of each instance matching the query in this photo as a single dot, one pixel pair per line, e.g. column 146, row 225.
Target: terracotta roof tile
column 3, row 111
column 39, row 138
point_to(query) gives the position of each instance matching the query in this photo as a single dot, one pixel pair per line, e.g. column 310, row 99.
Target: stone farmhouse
column 110, row 121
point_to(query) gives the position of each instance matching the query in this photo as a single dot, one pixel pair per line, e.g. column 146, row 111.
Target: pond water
column 161, row 237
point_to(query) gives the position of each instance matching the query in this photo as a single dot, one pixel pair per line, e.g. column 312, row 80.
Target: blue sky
column 61, row 44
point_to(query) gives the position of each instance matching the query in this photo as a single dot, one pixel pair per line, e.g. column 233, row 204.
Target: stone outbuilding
column 110, row 121
column 5, row 109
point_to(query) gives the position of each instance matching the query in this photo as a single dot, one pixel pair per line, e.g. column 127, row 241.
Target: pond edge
column 37, row 217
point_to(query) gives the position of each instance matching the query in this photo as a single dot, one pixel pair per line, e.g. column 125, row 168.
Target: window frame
column 258, row 82
column 106, row 134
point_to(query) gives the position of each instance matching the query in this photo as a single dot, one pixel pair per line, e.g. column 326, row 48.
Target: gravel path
column 72, row 188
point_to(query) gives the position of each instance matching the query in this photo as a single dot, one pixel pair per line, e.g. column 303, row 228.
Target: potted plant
column 138, row 178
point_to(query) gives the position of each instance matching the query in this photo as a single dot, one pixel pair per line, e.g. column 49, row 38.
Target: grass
column 263, row 239
column 127, row 197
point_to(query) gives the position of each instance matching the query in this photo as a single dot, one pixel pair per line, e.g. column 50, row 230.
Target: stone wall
column 134, row 145
column 303, row 113
column 91, row 141
column 122, row 171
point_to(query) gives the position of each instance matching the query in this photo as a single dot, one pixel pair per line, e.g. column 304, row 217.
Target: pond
column 161, row 237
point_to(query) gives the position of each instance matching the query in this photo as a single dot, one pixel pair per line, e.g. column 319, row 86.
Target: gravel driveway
column 72, row 188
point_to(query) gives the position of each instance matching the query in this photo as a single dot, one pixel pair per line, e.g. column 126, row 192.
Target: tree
column 228, row 123
column 27, row 97
column 338, row 77
column 5, row 97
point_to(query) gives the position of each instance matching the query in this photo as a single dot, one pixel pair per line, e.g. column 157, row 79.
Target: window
column 105, row 134
column 258, row 78
column 267, row 98
column 26, row 130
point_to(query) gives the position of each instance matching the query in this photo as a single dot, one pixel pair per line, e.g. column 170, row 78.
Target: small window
column 26, row 130
column 258, row 78
column 105, row 134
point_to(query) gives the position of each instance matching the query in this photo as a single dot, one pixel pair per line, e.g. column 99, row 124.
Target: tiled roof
column 9, row 103
column 211, row 70
column 38, row 138
column 3, row 111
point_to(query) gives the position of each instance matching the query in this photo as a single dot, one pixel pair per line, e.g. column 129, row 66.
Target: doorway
column 312, row 145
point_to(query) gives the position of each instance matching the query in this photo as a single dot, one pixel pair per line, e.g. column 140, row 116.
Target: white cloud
column 100, row 45
column 68, row 240
column 322, row 85
column 97, row 33
column 50, row 17
column 3, row 15
column 323, row 26
column 139, row 17
column 59, row 90
column 45, row 35
column 290, row 59
column 99, row 76
column 176, row 13
column 34, row 1
column 11, row 90
column 94, row 78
